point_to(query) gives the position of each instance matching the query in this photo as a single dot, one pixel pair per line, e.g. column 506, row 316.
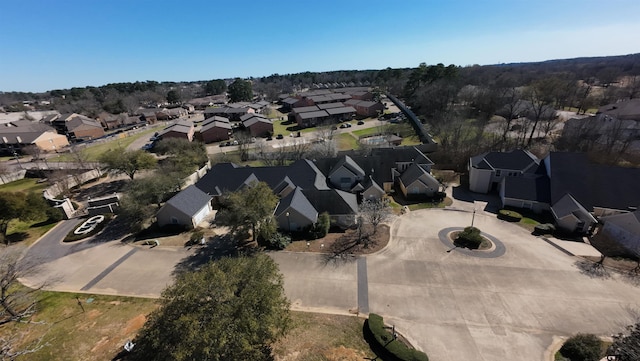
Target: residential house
column 77, row 127
column 148, row 115
column 624, row 230
column 20, row 134
column 257, row 124
column 294, row 212
column 341, row 206
column 187, row 208
column 571, row 216
column 230, row 112
column 417, row 182
column 215, row 129
column 366, row 108
column 487, row 170
column 346, row 173
column 182, row 129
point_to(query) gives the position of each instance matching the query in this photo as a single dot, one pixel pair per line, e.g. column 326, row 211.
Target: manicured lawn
column 345, row 141
column 28, row 232
column 93, row 152
column 446, row 202
column 24, row 185
column 367, row 132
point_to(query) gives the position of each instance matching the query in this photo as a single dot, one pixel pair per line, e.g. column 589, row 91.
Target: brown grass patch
column 346, row 242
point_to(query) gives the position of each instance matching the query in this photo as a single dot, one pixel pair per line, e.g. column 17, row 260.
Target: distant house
column 257, row 124
column 366, row 108
column 18, row 135
column 148, row 115
column 77, row 127
column 215, row 129
column 187, row 208
column 229, row 111
column 182, row 130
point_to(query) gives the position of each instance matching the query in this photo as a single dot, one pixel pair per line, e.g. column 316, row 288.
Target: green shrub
column 510, row 216
column 54, row 214
column 582, row 347
column 396, row 350
column 196, row 236
column 544, row 228
column 470, row 237
column 277, row 241
column 321, row 228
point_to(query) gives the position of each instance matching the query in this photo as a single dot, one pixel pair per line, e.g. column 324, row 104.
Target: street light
column 288, row 222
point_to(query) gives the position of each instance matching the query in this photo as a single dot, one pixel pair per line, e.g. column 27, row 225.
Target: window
column 498, row 172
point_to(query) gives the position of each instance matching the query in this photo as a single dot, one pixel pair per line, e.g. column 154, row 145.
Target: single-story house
column 417, row 182
column 187, row 208
column 257, row 124
column 182, row 130
column 20, row 134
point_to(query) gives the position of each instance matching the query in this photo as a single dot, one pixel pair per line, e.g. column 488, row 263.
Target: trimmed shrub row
column 544, row 228
column 385, row 342
column 509, row 216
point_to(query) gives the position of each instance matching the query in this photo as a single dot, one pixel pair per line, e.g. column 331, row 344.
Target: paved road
column 453, row 306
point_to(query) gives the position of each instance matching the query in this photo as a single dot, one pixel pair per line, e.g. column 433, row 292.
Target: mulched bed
column 345, row 243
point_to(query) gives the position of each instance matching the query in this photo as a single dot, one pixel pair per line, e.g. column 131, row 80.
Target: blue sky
column 47, row 44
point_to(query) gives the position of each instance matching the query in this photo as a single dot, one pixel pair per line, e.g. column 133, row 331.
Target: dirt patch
column 135, row 324
column 323, row 337
column 346, row 242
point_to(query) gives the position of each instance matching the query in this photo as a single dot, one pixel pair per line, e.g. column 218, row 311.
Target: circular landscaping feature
column 490, row 247
column 471, row 238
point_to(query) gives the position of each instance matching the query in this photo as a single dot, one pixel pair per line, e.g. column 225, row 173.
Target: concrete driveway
column 459, row 307
column 449, row 304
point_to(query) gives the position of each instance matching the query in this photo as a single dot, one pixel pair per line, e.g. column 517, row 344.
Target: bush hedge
column 470, row 237
column 510, row 216
column 582, row 347
column 544, row 228
column 393, row 349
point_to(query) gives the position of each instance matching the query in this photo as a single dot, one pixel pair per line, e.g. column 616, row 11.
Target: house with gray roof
column 416, row 182
column 257, row 124
column 17, row 135
column 346, row 173
column 187, row 208
column 182, row 129
column 487, row 170
column 294, row 212
column 215, row 129
column 621, row 230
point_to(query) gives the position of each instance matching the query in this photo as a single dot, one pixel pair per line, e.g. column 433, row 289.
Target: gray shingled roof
column 296, row 200
column 347, row 162
column 190, row 200
column 528, row 188
column 516, row 159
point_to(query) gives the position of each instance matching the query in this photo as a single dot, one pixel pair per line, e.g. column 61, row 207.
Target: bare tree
column 17, row 303
column 9, row 350
column 375, row 211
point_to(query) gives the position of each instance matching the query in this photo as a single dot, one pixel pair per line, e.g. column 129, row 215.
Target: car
column 348, row 125
column 360, row 122
column 343, row 125
column 269, row 138
column 235, row 142
column 227, row 144
column 333, row 127
column 279, row 136
column 147, row 146
column 222, row 144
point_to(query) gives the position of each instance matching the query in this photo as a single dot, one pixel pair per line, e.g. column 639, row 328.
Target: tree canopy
column 240, row 91
column 128, row 161
column 214, row 87
column 173, row 97
column 248, row 207
column 231, row 309
column 17, row 205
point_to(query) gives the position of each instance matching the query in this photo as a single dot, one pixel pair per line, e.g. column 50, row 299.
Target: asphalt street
column 452, row 305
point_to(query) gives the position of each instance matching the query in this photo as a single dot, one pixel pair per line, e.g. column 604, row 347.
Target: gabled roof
column 348, row 163
column 330, row 105
column 215, row 118
column 568, row 205
column 24, row 132
column 628, row 221
column 332, row 201
column 252, row 115
column 253, row 120
column 316, row 114
column 297, row 201
column 517, row 159
column 311, row 108
column 178, row 128
column 416, row 173
column 215, row 124
column 190, row 200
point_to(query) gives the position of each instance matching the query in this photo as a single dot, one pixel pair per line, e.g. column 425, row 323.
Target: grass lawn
column 345, row 141
column 28, row 232
column 98, row 333
column 445, row 202
column 107, row 322
column 93, row 152
column 24, row 185
column 367, row 132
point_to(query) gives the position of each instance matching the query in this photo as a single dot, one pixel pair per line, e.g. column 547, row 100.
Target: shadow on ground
column 218, row 247
column 462, row 193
